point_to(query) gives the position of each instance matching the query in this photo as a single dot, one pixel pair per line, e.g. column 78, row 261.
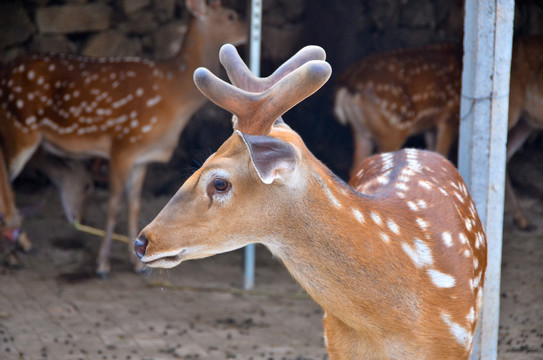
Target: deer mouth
column 165, row 260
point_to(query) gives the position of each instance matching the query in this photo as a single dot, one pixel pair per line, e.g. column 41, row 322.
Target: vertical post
column 254, row 65
column 488, row 32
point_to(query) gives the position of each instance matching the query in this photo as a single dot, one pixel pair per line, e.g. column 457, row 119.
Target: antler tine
column 240, row 75
column 237, row 101
column 256, row 112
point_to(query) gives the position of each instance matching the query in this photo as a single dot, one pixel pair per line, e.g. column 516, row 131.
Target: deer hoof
column 524, row 224
column 104, row 275
column 12, row 261
column 24, row 243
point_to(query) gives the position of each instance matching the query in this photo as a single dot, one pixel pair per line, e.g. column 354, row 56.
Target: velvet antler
column 266, row 99
column 241, row 77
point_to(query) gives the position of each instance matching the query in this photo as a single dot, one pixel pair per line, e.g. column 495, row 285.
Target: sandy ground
column 54, row 308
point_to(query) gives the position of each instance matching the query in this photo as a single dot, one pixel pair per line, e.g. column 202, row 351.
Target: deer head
column 233, row 199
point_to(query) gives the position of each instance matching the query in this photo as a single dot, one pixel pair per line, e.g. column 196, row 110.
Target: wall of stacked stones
column 347, row 29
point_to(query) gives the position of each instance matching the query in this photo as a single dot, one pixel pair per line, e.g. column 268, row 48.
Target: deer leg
column 133, row 190
column 430, row 139
column 10, row 167
column 342, row 341
column 513, row 205
column 446, row 133
column 117, row 179
column 517, row 136
column 8, row 211
column 363, row 147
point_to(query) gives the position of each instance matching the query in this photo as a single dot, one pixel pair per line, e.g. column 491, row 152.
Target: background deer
column 396, row 259
column 388, row 97
column 525, row 108
column 74, row 183
column 130, row 111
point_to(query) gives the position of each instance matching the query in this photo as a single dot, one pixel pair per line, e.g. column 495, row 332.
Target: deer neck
column 199, row 49
column 323, row 247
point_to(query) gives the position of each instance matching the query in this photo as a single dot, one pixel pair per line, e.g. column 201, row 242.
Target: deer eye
column 221, row 185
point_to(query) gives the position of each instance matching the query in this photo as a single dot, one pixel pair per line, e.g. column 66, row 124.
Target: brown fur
column 396, row 258
column 130, row 111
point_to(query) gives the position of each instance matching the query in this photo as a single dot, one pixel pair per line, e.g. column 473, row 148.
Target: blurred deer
column 525, row 109
column 130, row 111
column 390, row 96
column 74, row 183
column 396, row 258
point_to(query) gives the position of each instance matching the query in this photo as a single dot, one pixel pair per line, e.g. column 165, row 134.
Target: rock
column 168, row 40
column 140, row 22
column 73, row 18
column 164, row 10
column 134, row 5
column 15, row 26
column 55, row 44
column 112, row 43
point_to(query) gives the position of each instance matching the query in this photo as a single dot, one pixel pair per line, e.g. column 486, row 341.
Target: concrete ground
column 54, row 308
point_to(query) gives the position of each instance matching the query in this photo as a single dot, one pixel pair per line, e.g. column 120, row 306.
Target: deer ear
column 272, row 158
column 196, row 7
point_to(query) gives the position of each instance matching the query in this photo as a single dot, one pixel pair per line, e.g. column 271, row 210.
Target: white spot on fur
column 376, row 218
column 393, row 227
column 447, row 238
column 460, row 334
column 358, row 215
column 420, row 254
column 402, row 186
column 388, row 162
column 470, row 317
column 146, row 128
column 440, row 279
column 153, row 101
column 422, row 223
column 385, row 237
column 425, row 184
column 412, row 206
column 383, row 180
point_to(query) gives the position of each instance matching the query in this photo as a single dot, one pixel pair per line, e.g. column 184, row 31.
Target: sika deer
column 130, row 111
column 389, row 97
column 72, row 178
column 396, row 259
column 525, row 98
column 74, row 183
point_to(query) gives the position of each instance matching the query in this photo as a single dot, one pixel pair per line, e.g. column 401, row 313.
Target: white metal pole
column 488, row 33
column 254, row 65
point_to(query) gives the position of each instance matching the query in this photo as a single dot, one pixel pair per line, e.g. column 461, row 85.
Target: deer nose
column 140, row 245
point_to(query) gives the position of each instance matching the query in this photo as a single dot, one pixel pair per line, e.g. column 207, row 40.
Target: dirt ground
column 54, row 308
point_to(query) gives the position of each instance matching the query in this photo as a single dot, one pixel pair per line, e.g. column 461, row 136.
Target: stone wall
column 347, row 29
